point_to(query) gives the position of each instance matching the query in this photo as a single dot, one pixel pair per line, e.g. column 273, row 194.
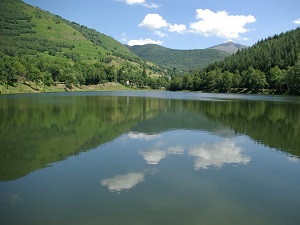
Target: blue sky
column 180, row 24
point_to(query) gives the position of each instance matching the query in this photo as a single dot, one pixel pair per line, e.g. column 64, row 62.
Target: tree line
column 41, row 70
column 272, row 64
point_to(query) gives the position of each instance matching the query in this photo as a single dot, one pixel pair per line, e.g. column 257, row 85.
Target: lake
column 141, row 158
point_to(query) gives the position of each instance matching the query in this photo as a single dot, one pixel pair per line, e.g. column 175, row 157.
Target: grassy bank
column 33, row 88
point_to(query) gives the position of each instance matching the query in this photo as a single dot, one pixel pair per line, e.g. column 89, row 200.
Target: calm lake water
column 144, row 158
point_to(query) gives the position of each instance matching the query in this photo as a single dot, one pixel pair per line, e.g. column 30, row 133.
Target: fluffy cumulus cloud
column 220, row 24
column 156, row 22
column 141, row 2
column 297, row 21
column 179, row 28
column 153, row 22
column 144, row 42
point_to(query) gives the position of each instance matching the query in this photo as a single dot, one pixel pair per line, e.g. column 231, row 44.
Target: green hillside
column 180, row 59
column 38, row 46
column 271, row 65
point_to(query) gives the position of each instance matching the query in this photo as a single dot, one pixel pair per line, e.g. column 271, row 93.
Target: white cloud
column 123, row 182
column 160, row 33
column 297, row 21
column 144, row 42
column 220, row 24
column 217, row 155
column 179, row 28
column 153, row 22
column 151, row 5
column 133, row 2
column 141, row 2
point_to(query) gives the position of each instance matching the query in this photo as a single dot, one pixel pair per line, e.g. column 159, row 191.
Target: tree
column 277, row 78
column 144, row 74
column 255, row 79
column 110, row 74
column 293, row 78
column 226, row 81
column 187, row 82
column 35, row 75
column 236, row 80
column 213, row 80
column 47, row 78
column 176, row 83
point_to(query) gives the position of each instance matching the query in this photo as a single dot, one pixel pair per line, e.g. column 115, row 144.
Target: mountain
column 229, row 46
column 41, row 47
column 180, row 59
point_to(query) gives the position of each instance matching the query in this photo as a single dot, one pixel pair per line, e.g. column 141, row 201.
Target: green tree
column 226, row 82
column 176, row 83
column 255, row 79
column 277, row 78
column 213, row 80
column 47, row 78
column 34, row 75
column 187, row 82
column 293, row 78
column 236, row 80
column 144, row 74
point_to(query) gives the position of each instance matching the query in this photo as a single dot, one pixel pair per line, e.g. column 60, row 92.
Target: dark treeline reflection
column 274, row 124
column 38, row 130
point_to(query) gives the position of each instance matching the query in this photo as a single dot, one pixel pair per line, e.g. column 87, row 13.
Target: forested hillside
column 272, row 64
column 181, row 60
column 39, row 47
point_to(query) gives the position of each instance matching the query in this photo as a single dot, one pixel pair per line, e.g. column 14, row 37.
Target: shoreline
column 23, row 88
column 30, row 87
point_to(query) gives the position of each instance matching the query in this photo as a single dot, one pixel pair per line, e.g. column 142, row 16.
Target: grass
column 30, row 87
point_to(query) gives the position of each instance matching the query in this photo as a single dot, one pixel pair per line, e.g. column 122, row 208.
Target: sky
column 180, row 24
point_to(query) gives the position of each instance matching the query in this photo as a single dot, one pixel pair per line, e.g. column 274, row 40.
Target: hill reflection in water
column 39, row 130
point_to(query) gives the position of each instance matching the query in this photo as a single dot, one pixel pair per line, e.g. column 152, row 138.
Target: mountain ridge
column 229, row 46
column 183, row 60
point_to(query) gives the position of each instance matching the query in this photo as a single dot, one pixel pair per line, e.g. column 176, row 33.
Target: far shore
column 19, row 88
column 30, row 87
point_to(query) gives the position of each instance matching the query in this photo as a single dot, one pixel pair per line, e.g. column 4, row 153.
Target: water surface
column 149, row 158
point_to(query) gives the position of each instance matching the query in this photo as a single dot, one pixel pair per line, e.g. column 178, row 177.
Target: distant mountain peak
column 229, row 46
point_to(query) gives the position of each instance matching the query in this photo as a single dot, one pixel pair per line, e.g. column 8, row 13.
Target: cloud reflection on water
column 142, row 136
column 153, row 156
column 123, row 182
column 176, row 150
column 206, row 155
column 217, row 154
